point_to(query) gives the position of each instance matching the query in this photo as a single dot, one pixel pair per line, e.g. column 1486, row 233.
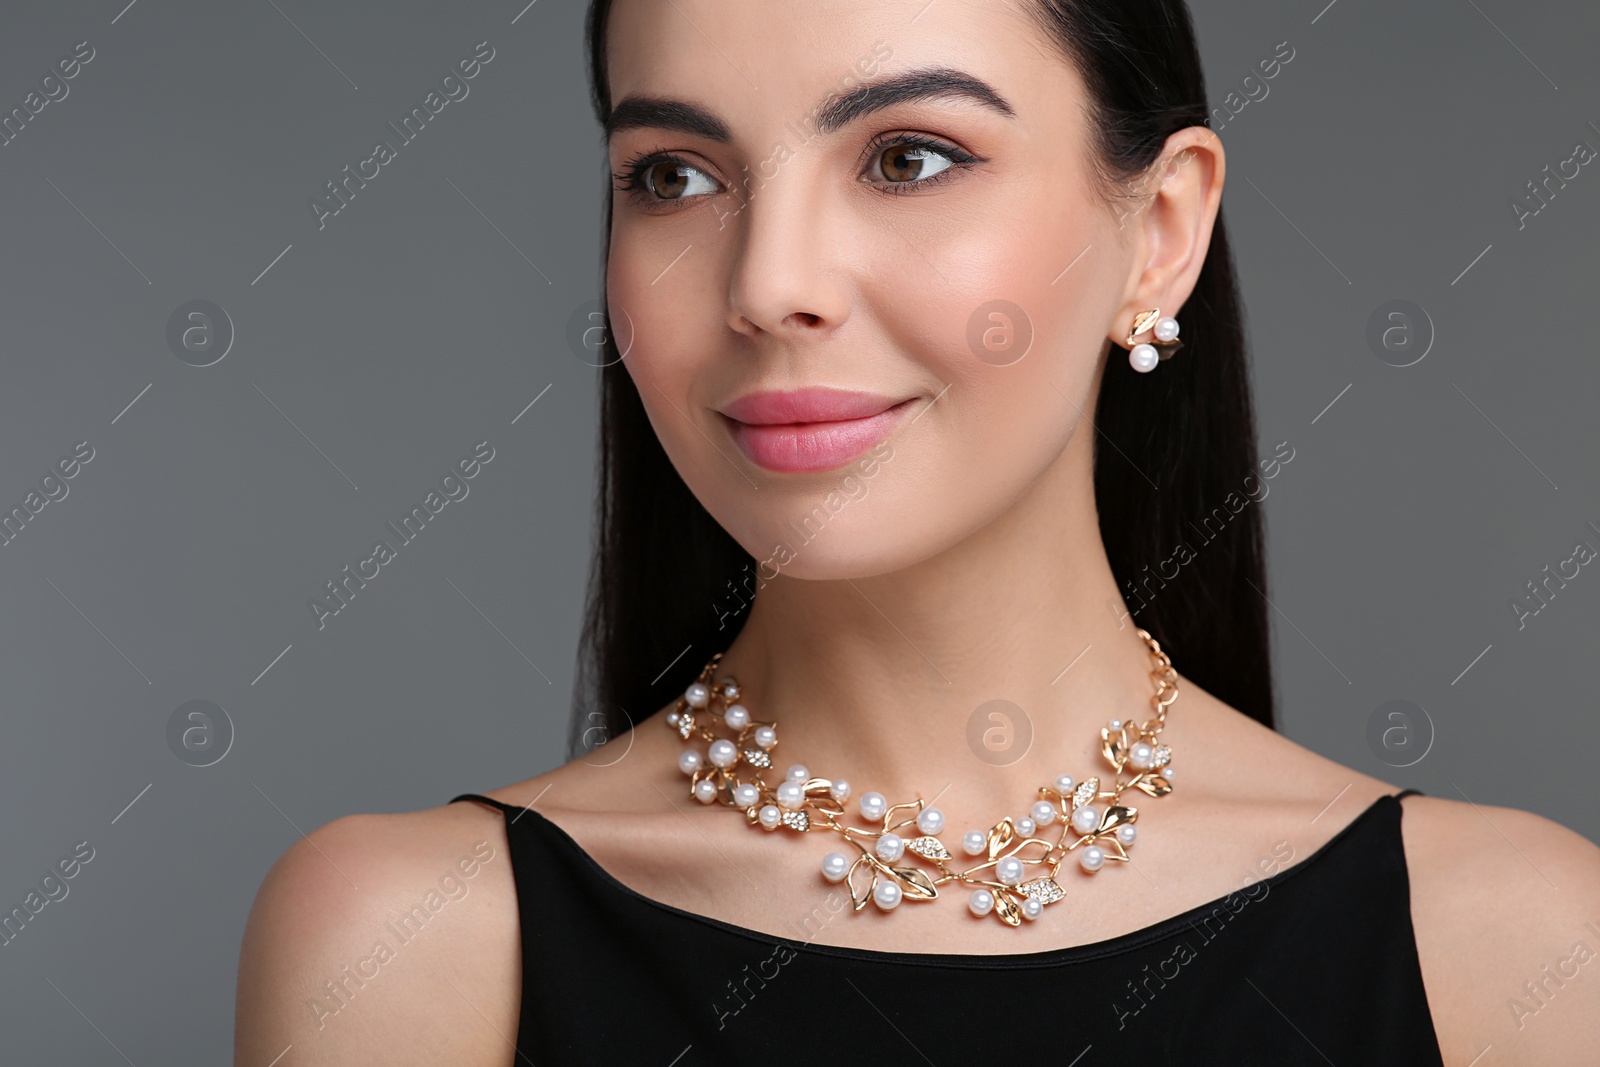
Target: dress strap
column 524, row 863
column 1409, row 792
column 505, row 808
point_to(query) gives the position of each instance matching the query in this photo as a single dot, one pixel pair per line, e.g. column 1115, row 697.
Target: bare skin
column 972, row 570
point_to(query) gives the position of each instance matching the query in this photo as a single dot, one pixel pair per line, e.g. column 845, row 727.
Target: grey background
column 433, row 310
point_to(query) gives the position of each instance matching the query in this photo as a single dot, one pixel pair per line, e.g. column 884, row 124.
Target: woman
column 933, row 361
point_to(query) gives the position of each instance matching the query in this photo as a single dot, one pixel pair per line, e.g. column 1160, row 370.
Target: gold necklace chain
column 879, row 871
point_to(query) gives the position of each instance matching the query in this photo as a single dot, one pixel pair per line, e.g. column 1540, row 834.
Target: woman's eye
column 666, row 180
column 904, row 163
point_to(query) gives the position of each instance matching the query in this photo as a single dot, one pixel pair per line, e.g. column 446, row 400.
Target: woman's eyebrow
column 653, row 112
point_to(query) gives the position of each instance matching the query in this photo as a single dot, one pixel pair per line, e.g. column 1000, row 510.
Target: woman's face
column 939, row 247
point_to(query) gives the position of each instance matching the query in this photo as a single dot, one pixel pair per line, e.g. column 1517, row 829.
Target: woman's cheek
column 632, row 313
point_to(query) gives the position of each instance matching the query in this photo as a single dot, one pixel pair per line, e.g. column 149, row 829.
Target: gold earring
column 1163, row 343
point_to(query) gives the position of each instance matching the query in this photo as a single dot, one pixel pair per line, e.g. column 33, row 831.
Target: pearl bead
column 1065, row 784
column 1032, row 908
column 839, row 790
column 737, row 716
column 766, row 736
column 974, row 842
column 1142, row 754
column 1009, row 870
column 1166, row 329
column 1044, row 813
column 1127, row 832
column 723, row 753
column 689, row 761
column 1092, row 858
column 890, row 847
column 697, row 695
column 887, row 895
column 705, row 790
column 1116, row 724
column 872, row 805
column 791, row 794
column 1166, row 772
column 746, row 795
column 1025, row 827
column 673, row 718
column 930, row 820
column 1086, row 820
column 981, row 902
column 770, row 816
column 730, row 688
column 797, row 773
column 834, row 866
column 1143, row 358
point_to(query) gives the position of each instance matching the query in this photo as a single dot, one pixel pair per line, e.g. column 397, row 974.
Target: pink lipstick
column 812, row 429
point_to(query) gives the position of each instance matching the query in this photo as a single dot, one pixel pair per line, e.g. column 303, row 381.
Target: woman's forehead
column 757, row 58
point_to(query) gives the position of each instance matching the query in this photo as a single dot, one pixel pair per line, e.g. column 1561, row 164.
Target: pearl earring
column 1144, row 357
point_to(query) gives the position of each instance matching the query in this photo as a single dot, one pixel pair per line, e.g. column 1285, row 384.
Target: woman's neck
column 890, row 681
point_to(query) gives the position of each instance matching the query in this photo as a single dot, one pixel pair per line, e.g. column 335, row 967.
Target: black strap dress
column 1315, row 964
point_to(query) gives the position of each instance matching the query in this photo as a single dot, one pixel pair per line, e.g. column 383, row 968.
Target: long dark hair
column 664, row 573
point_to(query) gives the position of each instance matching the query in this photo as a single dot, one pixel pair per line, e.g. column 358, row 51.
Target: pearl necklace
column 877, row 872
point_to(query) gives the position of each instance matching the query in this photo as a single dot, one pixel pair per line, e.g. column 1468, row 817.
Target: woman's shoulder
column 1505, row 907
column 1505, row 903
column 389, row 937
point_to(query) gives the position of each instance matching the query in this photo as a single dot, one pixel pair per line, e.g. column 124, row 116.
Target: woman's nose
column 790, row 266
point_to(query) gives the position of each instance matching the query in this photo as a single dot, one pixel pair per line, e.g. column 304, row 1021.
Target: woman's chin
column 833, row 556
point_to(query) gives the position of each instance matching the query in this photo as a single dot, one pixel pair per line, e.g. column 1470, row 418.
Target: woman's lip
column 813, row 446
column 811, row 404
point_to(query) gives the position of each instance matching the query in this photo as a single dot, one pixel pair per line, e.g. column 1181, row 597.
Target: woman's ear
column 1183, row 192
